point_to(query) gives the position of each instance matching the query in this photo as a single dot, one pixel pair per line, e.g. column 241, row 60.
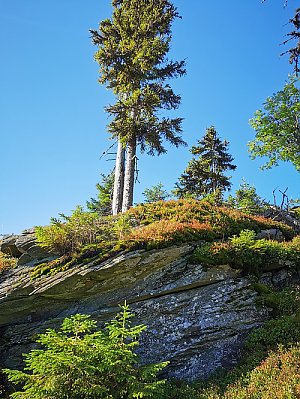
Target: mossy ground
column 85, row 235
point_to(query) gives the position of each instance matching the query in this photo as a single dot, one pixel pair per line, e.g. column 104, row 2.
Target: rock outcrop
column 281, row 215
column 196, row 318
column 25, row 248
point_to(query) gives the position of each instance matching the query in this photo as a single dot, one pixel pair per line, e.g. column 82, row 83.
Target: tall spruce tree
column 205, row 174
column 132, row 49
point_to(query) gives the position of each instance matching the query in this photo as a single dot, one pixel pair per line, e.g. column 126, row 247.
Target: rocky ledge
column 25, row 248
column 196, row 318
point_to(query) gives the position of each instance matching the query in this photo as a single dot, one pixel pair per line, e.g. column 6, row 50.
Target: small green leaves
column 277, row 127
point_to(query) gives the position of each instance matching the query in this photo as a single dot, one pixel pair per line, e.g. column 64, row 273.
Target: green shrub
column 246, row 253
column 285, row 330
column 295, row 243
column 179, row 390
column 81, row 362
column 277, row 377
column 70, row 233
column 121, row 226
column 296, row 212
column 284, row 302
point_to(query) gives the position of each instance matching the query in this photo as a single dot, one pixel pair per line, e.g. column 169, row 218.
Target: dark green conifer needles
column 205, row 174
column 132, row 49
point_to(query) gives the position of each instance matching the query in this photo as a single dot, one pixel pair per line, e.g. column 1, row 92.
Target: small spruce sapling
column 103, row 203
column 80, row 361
column 155, row 193
column 247, row 200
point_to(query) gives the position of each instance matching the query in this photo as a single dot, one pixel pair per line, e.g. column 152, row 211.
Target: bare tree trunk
column 119, row 180
column 129, row 175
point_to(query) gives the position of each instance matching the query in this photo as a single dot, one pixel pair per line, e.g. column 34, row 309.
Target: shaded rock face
column 196, row 318
column 271, row 234
column 8, row 246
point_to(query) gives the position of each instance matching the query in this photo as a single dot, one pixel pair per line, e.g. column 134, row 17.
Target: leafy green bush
column 246, row 253
column 81, row 362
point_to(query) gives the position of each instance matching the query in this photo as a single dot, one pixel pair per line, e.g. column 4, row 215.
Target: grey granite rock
column 270, row 234
column 25, row 241
column 197, row 318
column 8, row 246
column 25, row 248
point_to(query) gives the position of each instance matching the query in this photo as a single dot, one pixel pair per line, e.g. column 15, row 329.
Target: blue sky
column 52, row 107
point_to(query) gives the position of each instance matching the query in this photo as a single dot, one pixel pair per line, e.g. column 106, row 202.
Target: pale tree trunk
column 214, row 171
column 129, row 175
column 119, row 180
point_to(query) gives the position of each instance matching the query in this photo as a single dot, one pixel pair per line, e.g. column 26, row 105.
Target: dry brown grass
column 6, row 262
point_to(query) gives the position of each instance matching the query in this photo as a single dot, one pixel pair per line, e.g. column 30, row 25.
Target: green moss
column 261, row 289
column 51, row 268
column 284, row 330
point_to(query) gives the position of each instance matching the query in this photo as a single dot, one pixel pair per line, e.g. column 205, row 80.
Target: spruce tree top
column 132, row 49
column 205, row 173
column 214, row 150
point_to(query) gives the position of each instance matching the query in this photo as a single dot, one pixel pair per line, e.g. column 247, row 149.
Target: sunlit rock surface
column 196, row 318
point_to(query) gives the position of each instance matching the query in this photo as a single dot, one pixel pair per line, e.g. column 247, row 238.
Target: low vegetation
column 7, row 262
column 249, row 254
column 85, row 235
column 224, row 220
column 68, row 234
column 80, row 361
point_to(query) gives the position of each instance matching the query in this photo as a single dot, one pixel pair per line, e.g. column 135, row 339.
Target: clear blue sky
column 52, row 118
